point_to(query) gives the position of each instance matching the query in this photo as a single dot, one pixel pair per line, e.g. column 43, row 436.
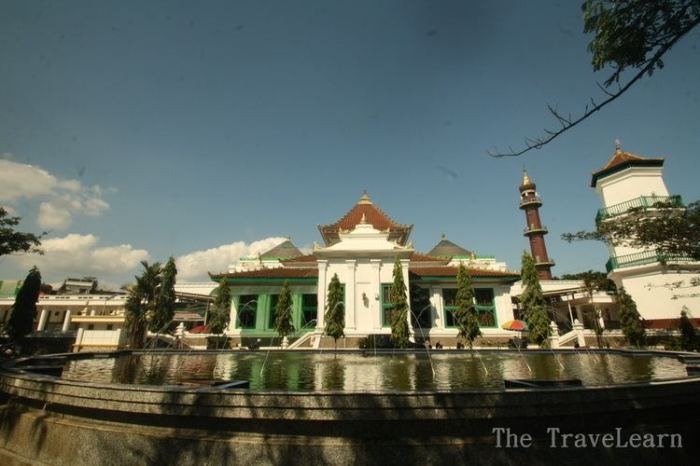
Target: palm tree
column 141, row 303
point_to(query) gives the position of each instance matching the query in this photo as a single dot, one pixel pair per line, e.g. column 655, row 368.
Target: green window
column 421, row 308
column 274, row 299
column 449, row 298
column 309, row 308
column 387, row 305
column 247, row 311
column 485, row 307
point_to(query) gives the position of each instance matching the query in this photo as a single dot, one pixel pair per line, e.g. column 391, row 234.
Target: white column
column 79, row 339
column 232, row 316
column 404, row 271
column 439, row 305
column 375, row 308
column 321, row 292
column 350, row 295
column 435, row 307
column 42, row 320
column 66, row 322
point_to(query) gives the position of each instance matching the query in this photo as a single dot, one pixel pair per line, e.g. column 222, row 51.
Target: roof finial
column 618, row 146
column 443, row 236
column 526, row 179
column 365, row 198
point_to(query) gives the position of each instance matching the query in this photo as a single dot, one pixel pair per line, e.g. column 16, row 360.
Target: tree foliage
column 12, row 241
column 631, row 322
column 283, row 312
column 670, row 230
column 593, row 281
column 629, row 35
column 335, row 310
column 533, row 303
column 23, row 311
column 689, row 339
column 220, row 312
column 164, row 308
column 141, row 304
column 399, row 312
column 466, row 317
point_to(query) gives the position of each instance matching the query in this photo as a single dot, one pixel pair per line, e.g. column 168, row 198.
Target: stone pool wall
column 48, row 420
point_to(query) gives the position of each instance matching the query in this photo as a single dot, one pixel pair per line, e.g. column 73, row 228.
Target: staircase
column 305, row 338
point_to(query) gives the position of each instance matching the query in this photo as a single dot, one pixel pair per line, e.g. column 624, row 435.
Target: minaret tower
column 530, row 202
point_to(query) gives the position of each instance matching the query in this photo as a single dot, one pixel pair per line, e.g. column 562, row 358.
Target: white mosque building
column 361, row 248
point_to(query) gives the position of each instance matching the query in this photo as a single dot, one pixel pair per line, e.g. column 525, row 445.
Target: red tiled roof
column 669, row 324
column 372, row 215
column 452, row 272
column 278, row 272
column 620, row 160
column 620, row 157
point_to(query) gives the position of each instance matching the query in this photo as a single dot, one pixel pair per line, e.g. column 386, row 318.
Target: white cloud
column 61, row 199
column 52, row 216
column 19, row 180
column 195, row 265
column 76, row 254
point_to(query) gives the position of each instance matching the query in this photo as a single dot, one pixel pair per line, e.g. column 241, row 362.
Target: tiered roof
column 434, row 264
column 373, row 215
column 621, row 160
column 276, row 272
column 447, row 249
column 285, row 250
column 445, row 271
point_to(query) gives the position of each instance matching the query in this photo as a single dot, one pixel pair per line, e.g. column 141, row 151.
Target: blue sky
column 222, row 121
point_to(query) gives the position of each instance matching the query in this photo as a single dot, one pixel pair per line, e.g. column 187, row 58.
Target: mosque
column 361, row 247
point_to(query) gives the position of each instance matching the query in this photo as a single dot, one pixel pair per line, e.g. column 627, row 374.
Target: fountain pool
column 309, row 407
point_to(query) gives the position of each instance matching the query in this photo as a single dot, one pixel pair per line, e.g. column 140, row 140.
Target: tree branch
column 567, row 124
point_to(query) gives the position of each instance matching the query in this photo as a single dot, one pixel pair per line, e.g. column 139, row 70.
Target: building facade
column 361, row 249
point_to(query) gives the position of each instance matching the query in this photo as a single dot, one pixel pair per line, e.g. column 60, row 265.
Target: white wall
column 657, row 301
column 631, row 183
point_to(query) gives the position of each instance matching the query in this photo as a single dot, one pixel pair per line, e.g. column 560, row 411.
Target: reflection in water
column 354, row 372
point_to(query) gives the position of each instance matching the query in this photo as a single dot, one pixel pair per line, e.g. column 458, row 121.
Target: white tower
column 629, row 181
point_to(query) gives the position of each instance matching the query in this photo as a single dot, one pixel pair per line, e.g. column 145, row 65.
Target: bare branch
column 569, row 123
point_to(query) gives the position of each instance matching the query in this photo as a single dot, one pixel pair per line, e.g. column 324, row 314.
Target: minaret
column 530, row 202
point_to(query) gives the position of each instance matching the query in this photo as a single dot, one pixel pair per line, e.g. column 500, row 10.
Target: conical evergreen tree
column 164, row 309
column 23, row 311
column 220, row 311
column 533, row 303
column 466, row 316
column 689, row 340
column 399, row 312
column 335, row 310
column 283, row 314
column 630, row 320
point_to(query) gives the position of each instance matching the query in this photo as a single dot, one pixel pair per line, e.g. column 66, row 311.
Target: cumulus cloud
column 76, row 254
column 195, row 265
column 52, row 216
column 61, row 199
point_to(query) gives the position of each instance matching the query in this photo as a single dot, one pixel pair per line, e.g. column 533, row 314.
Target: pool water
column 355, row 372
